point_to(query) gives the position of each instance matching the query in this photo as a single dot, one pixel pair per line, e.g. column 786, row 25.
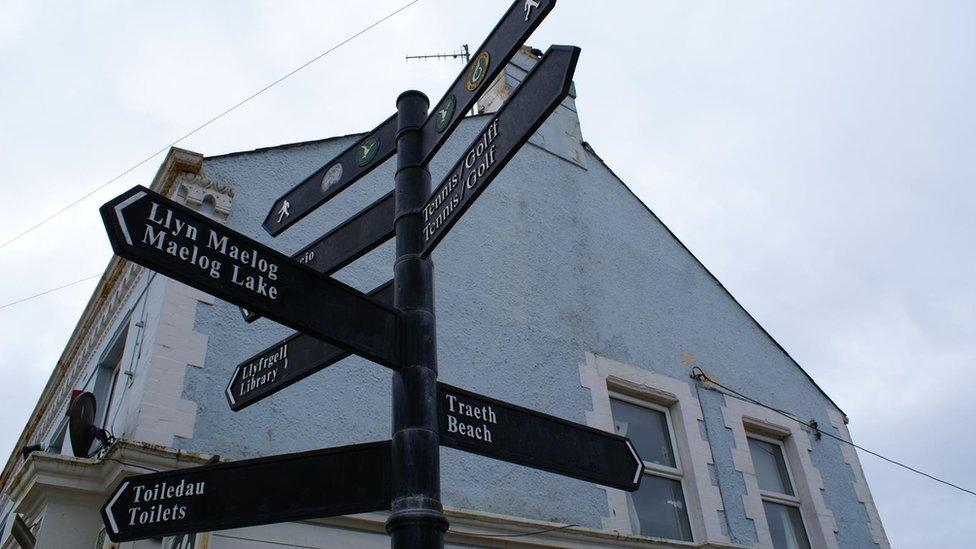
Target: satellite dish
column 81, row 420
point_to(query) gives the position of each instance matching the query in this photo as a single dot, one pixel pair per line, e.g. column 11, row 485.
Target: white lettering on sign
column 152, row 504
column 263, row 371
column 249, row 269
column 529, row 6
column 306, row 257
column 463, row 425
column 471, row 171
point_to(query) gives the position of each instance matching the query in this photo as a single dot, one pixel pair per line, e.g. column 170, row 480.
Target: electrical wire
column 129, row 464
column 524, row 534
column 699, row 375
column 264, row 541
column 45, row 292
column 364, row 30
column 105, row 440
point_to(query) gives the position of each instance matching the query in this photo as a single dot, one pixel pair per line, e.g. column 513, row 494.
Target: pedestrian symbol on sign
column 283, row 212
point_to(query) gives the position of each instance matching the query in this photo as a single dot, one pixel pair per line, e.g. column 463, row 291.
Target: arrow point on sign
column 108, row 508
column 574, row 52
column 230, row 394
column 638, row 461
column 118, row 213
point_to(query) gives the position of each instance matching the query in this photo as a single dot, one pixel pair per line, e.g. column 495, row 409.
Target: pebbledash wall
column 556, row 288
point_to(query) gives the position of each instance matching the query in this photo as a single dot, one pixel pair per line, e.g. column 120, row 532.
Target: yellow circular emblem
column 478, row 71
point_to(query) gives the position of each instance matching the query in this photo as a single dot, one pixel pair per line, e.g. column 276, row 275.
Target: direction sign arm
column 511, row 31
column 346, row 243
column 185, row 245
column 334, row 177
column 497, row 429
column 378, row 145
column 286, row 362
column 527, row 108
column 236, row 494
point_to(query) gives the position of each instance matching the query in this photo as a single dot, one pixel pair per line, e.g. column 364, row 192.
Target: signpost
column 475, row 423
column 320, row 483
column 528, row 107
column 286, row 362
column 394, row 325
column 187, row 246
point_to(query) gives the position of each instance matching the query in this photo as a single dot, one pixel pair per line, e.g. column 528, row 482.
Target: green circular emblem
column 444, row 113
column 366, row 150
column 478, row 71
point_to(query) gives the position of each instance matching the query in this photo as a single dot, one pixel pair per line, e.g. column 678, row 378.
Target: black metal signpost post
column 394, row 325
column 418, row 518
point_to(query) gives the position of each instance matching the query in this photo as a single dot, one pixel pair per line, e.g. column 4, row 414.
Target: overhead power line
column 699, row 375
column 45, row 292
column 362, row 31
column 525, row 534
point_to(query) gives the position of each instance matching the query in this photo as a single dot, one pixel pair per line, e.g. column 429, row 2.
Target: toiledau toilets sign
column 320, row 483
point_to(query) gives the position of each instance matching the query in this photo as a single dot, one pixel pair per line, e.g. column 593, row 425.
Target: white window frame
column 777, row 497
column 747, row 419
column 674, row 473
column 656, row 469
column 703, row 501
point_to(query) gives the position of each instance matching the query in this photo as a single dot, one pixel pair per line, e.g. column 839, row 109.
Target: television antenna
column 465, row 54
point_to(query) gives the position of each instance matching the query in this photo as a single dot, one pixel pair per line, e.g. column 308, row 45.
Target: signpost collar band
column 414, row 111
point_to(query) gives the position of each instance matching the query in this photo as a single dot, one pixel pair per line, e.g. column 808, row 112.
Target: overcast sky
column 818, row 157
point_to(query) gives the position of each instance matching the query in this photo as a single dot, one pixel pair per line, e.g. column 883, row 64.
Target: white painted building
column 559, row 291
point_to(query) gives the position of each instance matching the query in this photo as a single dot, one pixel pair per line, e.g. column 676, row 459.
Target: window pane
column 647, row 429
column 658, row 509
column 770, row 467
column 785, row 526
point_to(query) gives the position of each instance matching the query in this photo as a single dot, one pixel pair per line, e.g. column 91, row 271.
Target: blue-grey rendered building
column 559, row 291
